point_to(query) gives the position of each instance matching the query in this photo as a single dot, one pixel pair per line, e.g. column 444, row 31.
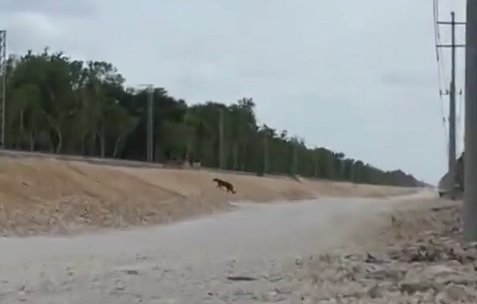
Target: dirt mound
column 45, row 195
column 48, row 195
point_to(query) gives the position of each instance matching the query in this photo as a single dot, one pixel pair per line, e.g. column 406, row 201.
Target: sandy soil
column 41, row 195
column 254, row 254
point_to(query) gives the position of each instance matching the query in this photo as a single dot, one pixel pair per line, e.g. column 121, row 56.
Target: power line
column 440, row 68
column 437, row 38
column 435, row 10
column 452, row 99
column 443, row 118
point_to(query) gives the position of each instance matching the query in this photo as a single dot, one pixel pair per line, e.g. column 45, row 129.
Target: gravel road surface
column 236, row 257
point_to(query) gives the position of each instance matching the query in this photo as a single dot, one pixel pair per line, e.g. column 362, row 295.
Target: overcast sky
column 354, row 76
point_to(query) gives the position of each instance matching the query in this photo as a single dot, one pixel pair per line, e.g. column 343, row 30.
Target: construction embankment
column 50, row 196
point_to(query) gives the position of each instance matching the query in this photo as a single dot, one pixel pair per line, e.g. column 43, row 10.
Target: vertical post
column 265, row 153
column 150, row 124
column 330, row 161
column 342, row 169
column 452, row 113
column 294, row 158
column 3, row 70
column 352, row 171
column 315, row 157
column 470, row 156
column 221, row 140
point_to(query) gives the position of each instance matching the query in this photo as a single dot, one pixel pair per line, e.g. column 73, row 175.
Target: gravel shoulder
column 257, row 253
column 415, row 255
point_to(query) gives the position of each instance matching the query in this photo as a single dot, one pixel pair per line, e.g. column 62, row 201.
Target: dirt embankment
column 47, row 195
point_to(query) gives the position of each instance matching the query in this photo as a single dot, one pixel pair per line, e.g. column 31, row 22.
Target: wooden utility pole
column 452, row 103
column 470, row 156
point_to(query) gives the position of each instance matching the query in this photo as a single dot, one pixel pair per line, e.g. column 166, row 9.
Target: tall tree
column 70, row 106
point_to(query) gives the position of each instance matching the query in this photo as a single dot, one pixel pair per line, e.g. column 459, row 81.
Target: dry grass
column 46, row 195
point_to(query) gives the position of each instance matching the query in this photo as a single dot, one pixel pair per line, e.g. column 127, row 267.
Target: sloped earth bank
column 256, row 254
column 51, row 196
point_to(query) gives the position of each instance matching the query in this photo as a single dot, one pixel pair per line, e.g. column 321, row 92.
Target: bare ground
column 415, row 255
column 44, row 196
column 254, row 254
column 314, row 251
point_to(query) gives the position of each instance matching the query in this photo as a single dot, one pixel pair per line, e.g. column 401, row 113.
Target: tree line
column 61, row 105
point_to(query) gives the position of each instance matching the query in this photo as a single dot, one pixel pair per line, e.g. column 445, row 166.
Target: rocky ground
column 388, row 252
column 419, row 257
column 254, row 254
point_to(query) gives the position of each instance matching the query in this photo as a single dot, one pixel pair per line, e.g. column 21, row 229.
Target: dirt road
column 235, row 257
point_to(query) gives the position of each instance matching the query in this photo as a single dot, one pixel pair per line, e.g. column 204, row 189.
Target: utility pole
column 342, row 169
column 452, row 103
column 470, row 156
column 331, row 166
column 150, row 124
column 451, row 148
column 3, row 71
column 452, row 141
column 316, row 159
column 265, row 154
column 294, row 163
column 447, row 93
column 221, row 140
column 352, row 171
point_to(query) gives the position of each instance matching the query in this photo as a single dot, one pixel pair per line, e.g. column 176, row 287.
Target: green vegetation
column 66, row 106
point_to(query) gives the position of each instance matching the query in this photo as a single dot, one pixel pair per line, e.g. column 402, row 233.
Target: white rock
column 439, row 270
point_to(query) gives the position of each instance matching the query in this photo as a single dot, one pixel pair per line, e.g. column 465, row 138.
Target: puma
column 221, row 183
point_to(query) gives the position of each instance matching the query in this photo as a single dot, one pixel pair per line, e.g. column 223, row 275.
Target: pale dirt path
column 186, row 262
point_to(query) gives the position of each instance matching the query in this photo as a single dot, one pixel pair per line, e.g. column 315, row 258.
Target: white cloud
column 26, row 29
column 62, row 8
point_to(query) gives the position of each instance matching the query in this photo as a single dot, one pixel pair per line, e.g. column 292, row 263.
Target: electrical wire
column 440, row 67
